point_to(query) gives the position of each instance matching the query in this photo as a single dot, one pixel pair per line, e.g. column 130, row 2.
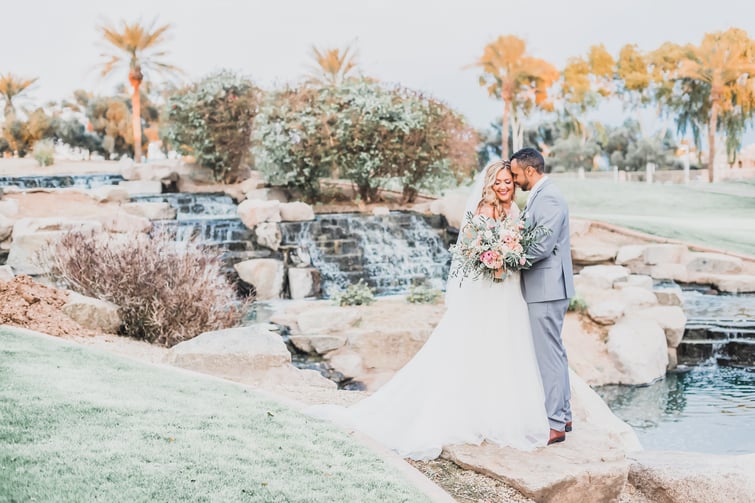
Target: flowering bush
column 491, row 248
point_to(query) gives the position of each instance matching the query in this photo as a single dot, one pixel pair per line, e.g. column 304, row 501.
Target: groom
column 548, row 284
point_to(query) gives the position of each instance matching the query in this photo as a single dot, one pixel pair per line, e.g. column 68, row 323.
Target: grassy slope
column 82, row 425
column 720, row 215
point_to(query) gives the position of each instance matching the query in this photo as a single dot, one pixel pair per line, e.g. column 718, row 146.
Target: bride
column 476, row 378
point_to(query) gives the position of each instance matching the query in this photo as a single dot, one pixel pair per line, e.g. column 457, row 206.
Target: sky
column 421, row 44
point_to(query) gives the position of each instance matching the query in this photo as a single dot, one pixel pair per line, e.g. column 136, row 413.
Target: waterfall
column 195, row 206
column 60, row 181
column 390, row 252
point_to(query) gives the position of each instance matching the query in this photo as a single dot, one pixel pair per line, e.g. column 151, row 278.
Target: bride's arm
column 485, row 210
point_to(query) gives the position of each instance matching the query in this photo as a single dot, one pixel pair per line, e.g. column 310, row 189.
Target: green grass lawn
column 80, row 425
column 720, row 215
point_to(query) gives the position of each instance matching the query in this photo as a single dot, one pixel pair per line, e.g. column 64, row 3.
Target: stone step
column 708, row 332
column 734, row 351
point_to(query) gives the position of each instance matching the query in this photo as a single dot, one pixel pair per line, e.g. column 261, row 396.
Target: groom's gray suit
column 547, row 287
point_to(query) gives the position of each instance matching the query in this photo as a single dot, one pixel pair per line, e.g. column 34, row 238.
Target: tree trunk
column 505, row 129
column 517, row 132
column 712, row 124
column 136, row 121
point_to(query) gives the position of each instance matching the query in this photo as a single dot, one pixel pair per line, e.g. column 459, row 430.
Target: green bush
column 166, row 291
column 44, row 152
column 365, row 132
column 292, row 141
column 577, row 304
column 423, row 294
column 212, row 120
column 356, row 294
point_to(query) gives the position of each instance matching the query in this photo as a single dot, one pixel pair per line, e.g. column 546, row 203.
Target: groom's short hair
column 530, row 157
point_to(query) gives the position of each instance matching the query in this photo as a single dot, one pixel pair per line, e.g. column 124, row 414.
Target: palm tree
column 137, row 46
column 520, row 80
column 723, row 68
column 11, row 86
column 332, row 66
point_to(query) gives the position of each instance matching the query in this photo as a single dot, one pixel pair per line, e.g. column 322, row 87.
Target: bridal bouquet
column 492, row 249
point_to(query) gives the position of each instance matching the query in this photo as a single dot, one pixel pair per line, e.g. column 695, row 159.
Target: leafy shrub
column 44, row 152
column 423, row 294
column 212, row 120
column 577, row 304
column 293, row 145
column 365, row 132
column 167, row 291
column 356, row 294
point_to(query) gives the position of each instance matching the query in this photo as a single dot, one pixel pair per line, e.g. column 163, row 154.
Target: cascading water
column 390, row 252
column 195, row 206
column 60, row 181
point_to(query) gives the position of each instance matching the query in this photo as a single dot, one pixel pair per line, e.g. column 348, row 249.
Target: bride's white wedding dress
column 475, row 379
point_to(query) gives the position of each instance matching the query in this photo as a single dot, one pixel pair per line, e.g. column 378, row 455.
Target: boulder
column 258, row 194
column 670, row 271
column 636, row 297
column 303, row 282
column 670, row 318
column 126, row 223
column 636, row 280
column 451, row 206
column 92, row 313
column 740, row 283
column 590, row 465
column 318, row 344
column 371, row 344
column 578, row 228
column 232, row 353
column 347, row 362
column 254, row 182
column 669, row 296
column 638, row 348
column 329, row 319
column 690, row 477
column 6, row 273
column 603, row 276
column 265, row 274
column 32, row 236
column 6, row 227
column 664, row 254
column 151, row 210
column 607, row 312
column 296, row 212
column 9, row 207
column 588, row 255
column 109, row 194
column 631, row 256
column 268, row 234
column 713, row 263
column 253, row 212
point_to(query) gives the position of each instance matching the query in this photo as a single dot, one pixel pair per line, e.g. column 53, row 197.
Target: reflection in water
column 708, row 409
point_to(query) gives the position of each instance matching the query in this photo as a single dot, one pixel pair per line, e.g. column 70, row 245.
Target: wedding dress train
column 475, row 379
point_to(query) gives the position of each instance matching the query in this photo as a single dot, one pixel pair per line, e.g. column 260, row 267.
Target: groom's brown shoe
column 567, row 429
column 556, row 437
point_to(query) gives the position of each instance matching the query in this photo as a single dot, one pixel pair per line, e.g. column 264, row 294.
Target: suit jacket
column 551, row 276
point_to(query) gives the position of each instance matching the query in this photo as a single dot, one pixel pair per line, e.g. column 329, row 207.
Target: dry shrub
column 167, row 291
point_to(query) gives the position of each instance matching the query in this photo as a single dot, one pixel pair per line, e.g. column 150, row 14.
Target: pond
column 704, row 408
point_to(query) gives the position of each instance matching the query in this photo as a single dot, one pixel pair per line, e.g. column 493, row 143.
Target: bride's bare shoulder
column 485, row 210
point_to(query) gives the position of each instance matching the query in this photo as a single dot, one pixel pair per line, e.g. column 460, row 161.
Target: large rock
column 636, row 280
column 231, row 353
column 670, row 271
column 638, row 348
column 253, row 212
column 6, row 227
column 318, row 344
column 303, row 282
column 607, row 312
column 32, row 236
column 589, row 255
column 6, row 273
column 603, row 276
column 670, row 318
column 713, row 263
column 739, row 283
column 151, row 210
column 91, row 313
column 347, row 362
column 265, row 274
column 690, row 477
column 636, row 297
column 631, row 255
column 329, row 319
column 664, row 254
column 9, row 207
column 451, row 206
column 109, row 194
column 126, row 223
column 296, row 212
column 669, row 296
column 371, row 344
column 268, row 234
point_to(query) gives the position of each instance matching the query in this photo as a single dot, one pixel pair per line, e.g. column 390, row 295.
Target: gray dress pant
column 547, row 319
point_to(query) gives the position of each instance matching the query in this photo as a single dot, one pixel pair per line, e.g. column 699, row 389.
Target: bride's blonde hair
column 488, row 196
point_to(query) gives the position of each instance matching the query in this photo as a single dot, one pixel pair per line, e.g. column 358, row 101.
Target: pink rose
column 522, row 261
